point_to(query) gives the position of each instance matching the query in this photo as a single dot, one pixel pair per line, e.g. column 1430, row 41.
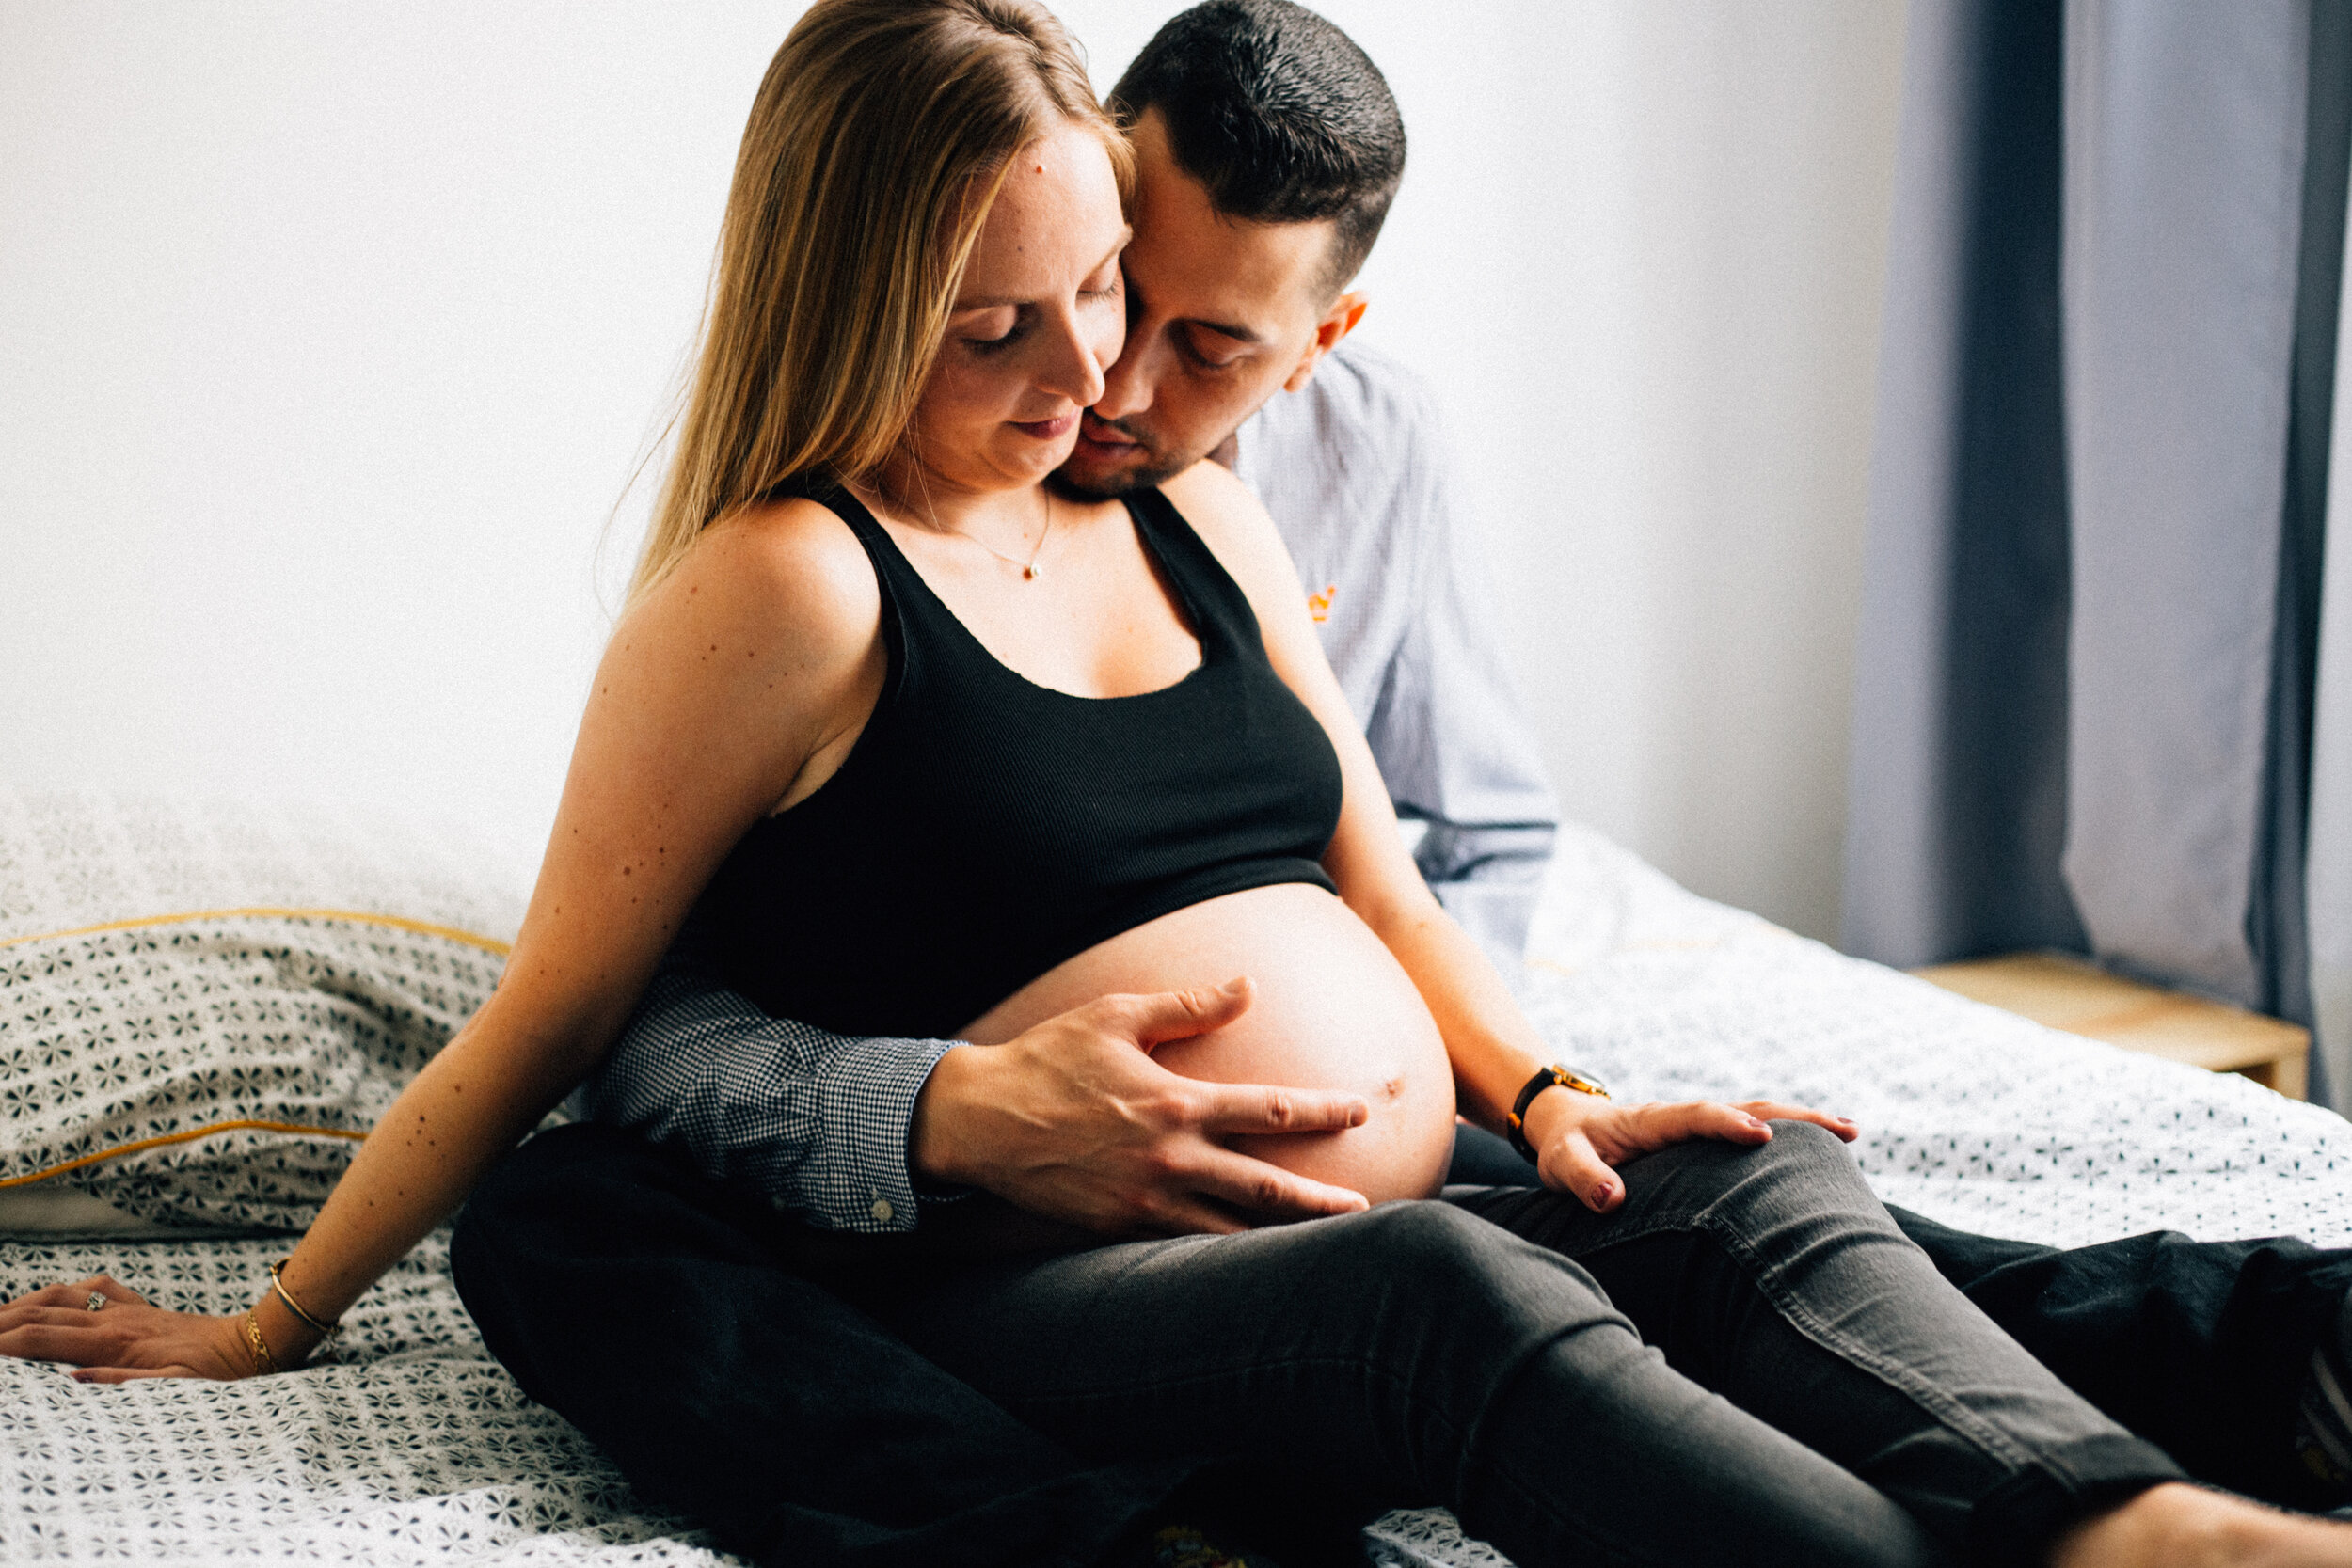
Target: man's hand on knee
column 1073, row 1120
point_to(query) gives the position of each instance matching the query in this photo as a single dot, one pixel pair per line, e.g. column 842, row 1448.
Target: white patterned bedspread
column 412, row 1446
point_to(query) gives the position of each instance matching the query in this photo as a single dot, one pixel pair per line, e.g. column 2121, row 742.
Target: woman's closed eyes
column 1015, row 320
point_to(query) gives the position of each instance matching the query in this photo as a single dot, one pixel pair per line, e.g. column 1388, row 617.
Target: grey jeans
column 1747, row 1363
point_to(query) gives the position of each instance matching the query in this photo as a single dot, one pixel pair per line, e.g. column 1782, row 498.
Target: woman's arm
column 742, row 682
column 1493, row 1047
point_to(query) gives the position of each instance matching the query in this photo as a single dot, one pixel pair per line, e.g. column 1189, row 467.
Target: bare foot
column 2177, row 1525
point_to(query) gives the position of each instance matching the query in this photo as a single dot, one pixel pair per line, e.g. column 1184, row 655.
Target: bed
column 170, row 968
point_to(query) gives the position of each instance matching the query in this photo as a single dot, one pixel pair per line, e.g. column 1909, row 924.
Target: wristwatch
column 1563, row 1077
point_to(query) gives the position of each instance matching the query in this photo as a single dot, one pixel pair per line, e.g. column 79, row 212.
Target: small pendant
column 1029, row 571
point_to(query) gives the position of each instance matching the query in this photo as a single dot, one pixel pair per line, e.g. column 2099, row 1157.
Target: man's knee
column 524, row 1192
column 574, row 1241
column 523, row 1206
column 584, row 1200
column 586, row 1188
column 562, row 1167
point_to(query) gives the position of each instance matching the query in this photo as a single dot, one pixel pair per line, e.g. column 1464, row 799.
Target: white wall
column 328, row 336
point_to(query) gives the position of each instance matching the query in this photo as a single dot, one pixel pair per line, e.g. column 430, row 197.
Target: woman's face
column 1040, row 313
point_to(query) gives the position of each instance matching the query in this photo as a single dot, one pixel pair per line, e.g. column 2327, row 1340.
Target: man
column 1268, row 150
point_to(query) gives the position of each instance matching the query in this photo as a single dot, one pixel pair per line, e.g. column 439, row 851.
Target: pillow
column 205, row 1004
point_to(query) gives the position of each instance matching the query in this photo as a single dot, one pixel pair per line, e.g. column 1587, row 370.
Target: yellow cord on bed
column 192, row 1132
column 488, row 944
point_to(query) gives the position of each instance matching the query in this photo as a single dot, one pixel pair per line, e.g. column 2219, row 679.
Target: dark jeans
column 1746, row 1364
column 674, row 1321
column 2200, row 1347
column 678, row 1325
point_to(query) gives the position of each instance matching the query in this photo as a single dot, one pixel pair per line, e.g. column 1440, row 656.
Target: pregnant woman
column 915, row 744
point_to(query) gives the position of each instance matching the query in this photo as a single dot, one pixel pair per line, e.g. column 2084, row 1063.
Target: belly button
column 1394, row 1088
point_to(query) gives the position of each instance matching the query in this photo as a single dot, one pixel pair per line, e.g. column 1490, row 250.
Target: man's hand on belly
column 1072, row 1119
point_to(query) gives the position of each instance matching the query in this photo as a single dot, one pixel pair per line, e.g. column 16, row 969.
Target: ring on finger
column 96, row 1299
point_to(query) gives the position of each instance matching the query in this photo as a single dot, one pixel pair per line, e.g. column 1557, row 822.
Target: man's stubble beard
column 1126, row 482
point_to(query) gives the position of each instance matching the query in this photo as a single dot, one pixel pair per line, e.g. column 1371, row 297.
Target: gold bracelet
column 256, row 1347
column 325, row 1331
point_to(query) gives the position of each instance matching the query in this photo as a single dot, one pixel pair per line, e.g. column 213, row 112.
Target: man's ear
column 1337, row 323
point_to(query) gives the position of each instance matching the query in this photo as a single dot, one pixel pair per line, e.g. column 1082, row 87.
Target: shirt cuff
column 869, row 1094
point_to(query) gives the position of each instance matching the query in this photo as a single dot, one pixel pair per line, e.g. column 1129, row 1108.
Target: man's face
column 1221, row 315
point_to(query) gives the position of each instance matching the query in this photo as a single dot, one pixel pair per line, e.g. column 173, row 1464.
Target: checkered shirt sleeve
column 813, row 1121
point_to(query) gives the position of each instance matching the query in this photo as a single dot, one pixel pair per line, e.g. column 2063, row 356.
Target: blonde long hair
column 880, row 138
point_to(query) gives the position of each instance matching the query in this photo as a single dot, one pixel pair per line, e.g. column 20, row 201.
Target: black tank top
column 984, row 828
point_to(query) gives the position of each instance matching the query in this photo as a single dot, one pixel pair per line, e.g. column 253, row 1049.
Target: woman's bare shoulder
column 793, row 555
column 777, row 581
column 1234, row 523
column 764, row 640
column 1215, row 501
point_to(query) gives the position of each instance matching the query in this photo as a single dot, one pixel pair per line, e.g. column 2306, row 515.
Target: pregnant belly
column 1333, row 1010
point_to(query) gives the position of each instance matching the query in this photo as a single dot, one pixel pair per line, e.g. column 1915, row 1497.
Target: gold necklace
column 1029, row 571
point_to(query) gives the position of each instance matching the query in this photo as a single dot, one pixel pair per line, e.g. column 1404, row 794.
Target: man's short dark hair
column 1280, row 115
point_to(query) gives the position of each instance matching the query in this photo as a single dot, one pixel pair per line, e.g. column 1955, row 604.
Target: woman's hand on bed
column 1072, row 1119
column 124, row 1339
column 1579, row 1137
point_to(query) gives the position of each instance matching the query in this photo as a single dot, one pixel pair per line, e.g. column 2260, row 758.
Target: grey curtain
column 2083, row 715
column 2328, row 882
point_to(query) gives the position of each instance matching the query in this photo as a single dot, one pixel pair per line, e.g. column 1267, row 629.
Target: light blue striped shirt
column 1354, row 470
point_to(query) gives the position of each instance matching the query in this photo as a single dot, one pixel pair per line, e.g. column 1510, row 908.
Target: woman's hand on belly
column 1071, row 1118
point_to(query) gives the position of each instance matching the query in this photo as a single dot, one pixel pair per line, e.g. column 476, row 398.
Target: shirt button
column 882, row 1211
